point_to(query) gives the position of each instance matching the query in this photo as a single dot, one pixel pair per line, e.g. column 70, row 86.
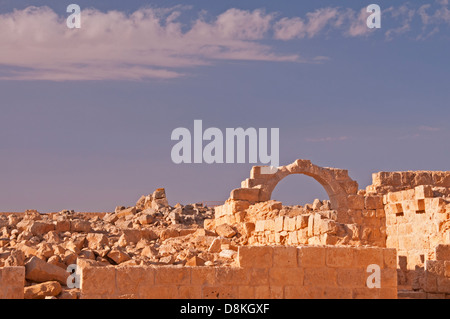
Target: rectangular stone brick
column 311, row 256
column 262, row 292
column 301, row 222
column 337, row 293
column 203, row 276
column 390, row 258
column 128, row 278
column 172, row 275
column 158, row 292
column 279, row 223
column 373, row 202
column 276, row 292
column 285, row 257
column 387, row 293
column 442, row 252
column 255, row 257
column 292, row 238
column 325, row 277
column 366, row 293
column 246, row 292
column 388, row 278
column 423, row 191
column 363, row 257
column 259, row 276
column 98, row 281
column 443, row 284
column 190, row 292
column 12, row 281
column 283, row 276
column 220, row 292
column 355, row 202
column 269, row 224
column 259, row 226
column 351, row 277
column 232, row 276
column 339, row 256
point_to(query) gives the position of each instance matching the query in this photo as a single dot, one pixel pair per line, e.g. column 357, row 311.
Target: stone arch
column 336, row 182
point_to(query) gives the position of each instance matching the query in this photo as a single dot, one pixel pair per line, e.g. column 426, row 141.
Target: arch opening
column 299, row 189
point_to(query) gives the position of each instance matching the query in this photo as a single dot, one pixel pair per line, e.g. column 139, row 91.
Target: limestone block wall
column 12, row 281
column 416, row 222
column 263, row 272
column 385, row 182
column 436, row 277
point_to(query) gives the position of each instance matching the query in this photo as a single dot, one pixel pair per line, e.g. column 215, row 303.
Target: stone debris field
column 250, row 247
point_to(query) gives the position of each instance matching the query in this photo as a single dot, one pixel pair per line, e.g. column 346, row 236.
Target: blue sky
column 87, row 116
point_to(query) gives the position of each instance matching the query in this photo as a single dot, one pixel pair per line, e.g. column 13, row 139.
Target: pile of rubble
column 150, row 233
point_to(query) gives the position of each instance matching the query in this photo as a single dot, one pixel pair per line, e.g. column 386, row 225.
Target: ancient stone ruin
column 250, row 247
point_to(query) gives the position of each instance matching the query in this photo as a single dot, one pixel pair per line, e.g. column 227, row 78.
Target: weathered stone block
column 172, row 275
column 279, row 224
column 285, row 257
column 355, row 202
column 442, row 252
column 321, row 276
column 255, row 257
column 373, row 202
column 363, row 257
column 100, row 281
column 311, row 256
column 301, row 222
column 247, row 194
column 339, row 256
column 282, row 276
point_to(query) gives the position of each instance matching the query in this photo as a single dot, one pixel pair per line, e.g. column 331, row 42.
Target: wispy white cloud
column 327, row 139
column 153, row 43
column 149, row 43
column 429, row 128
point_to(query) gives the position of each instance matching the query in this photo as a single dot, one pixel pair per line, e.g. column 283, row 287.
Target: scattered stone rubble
column 150, row 233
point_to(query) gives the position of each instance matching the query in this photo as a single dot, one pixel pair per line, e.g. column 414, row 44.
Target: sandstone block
column 40, row 291
column 301, row 222
column 38, row 270
column 38, row 228
column 442, row 252
column 96, row 240
column 172, row 275
column 279, row 224
column 247, row 194
column 118, row 256
column 363, row 257
column 255, row 256
column 285, row 257
column 311, row 256
column 81, row 226
column 100, row 281
column 355, row 202
column 225, row 230
column 373, row 202
column 282, row 277
column 325, row 277
column 339, row 256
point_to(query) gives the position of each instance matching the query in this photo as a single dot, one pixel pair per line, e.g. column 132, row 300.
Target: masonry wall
column 12, row 280
column 263, row 272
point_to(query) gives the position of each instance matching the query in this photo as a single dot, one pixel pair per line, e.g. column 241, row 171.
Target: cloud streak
column 153, row 43
column 149, row 43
